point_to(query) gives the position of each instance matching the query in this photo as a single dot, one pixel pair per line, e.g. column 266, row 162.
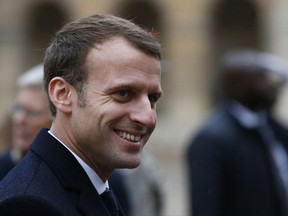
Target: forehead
column 116, row 48
column 31, row 90
column 32, row 95
column 117, row 59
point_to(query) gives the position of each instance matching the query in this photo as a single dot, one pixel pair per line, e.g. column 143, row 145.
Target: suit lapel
column 90, row 203
column 70, row 174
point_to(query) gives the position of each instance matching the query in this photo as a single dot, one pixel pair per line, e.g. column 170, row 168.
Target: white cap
column 32, row 77
column 251, row 59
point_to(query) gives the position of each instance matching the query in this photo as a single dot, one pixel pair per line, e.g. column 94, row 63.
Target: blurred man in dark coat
column 238, row 160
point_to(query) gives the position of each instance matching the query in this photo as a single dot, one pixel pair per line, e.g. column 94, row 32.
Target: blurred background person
column 145, row 186
column 29, row 114
column 237, row 162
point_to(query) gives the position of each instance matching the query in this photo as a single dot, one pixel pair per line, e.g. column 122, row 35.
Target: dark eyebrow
column 133, row 86
column 121, row 86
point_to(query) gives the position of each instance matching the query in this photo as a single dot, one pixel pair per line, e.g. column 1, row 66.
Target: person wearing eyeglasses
column 29, row 113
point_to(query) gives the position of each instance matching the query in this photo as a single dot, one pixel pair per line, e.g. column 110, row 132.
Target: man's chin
column 131, row 164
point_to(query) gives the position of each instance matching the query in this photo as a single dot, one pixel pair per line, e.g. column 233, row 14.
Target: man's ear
column 60, row 93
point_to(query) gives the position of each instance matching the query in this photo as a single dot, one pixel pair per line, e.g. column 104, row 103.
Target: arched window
column 235, row 24
column 44, row 19
column 144, row 13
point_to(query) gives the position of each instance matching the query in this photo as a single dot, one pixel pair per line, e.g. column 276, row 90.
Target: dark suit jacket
column 117, row 181
column 49, row 181
column 230, row 170
column 6, row 164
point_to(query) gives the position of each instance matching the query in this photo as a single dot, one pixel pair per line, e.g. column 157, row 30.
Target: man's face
column 121, row 92
column 263, row 88
column 30, row 114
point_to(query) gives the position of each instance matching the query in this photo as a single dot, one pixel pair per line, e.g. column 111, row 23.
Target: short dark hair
column 66, row 55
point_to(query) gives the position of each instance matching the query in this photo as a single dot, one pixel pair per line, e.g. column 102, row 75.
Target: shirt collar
column 246, row 117
column 97, row 182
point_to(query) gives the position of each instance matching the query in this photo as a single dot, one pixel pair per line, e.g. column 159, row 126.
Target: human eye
column 153, row 98
column 16, row 108
column 122, row 95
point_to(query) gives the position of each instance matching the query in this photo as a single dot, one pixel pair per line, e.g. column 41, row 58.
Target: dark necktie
column 110, row 201
column 279, row 159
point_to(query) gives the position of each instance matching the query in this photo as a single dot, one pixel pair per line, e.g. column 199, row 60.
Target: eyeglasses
column 28, row 112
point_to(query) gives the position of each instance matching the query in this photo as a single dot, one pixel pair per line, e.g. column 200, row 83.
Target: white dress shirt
column 97, row 182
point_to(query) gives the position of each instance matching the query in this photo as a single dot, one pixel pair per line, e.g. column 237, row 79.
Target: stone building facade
column 194, row 34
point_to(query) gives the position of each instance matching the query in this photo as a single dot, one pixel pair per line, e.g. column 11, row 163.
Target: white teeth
column 128, row 136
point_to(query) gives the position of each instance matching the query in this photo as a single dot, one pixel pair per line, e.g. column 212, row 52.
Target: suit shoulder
column 21, row 175
column 216, row 125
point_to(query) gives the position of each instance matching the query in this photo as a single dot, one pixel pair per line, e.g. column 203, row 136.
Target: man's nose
column 143, row 113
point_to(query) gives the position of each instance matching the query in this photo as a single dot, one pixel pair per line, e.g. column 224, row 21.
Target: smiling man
column 102, row 75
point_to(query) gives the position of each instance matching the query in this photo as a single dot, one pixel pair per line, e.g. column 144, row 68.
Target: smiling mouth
column 129, row 137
